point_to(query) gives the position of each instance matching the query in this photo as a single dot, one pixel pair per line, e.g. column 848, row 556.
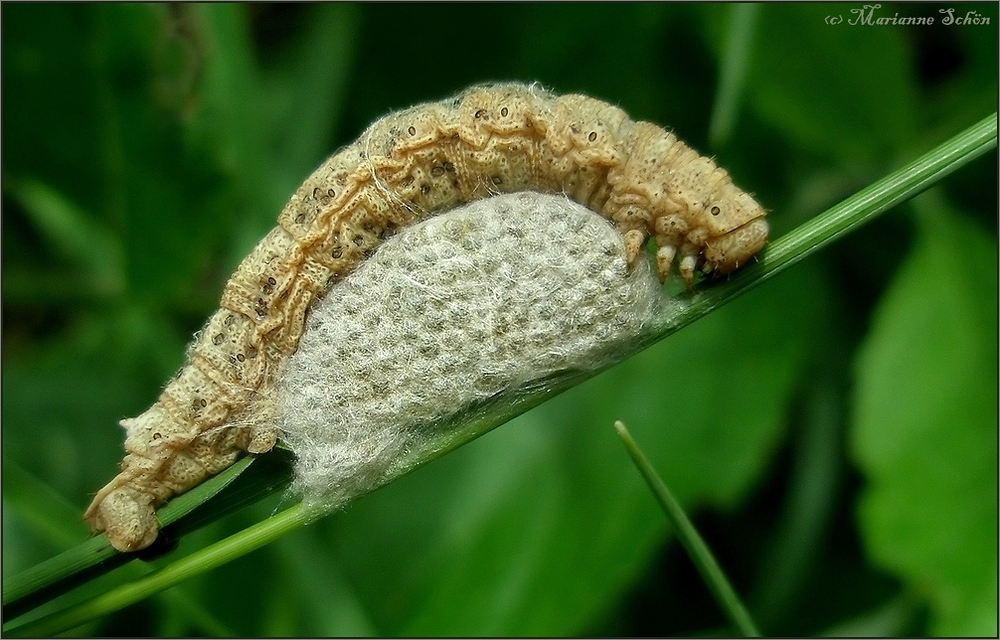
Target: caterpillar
column 405, row 167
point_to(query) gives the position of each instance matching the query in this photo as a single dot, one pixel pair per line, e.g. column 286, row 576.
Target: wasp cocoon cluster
column 453, row 313
column 404, row 168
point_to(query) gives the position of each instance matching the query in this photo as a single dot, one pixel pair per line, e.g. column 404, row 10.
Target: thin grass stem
column 693, row 543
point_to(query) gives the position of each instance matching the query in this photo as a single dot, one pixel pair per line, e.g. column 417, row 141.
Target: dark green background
column 833, row 432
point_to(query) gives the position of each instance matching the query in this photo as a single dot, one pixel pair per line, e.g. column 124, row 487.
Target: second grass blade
column 696, row 548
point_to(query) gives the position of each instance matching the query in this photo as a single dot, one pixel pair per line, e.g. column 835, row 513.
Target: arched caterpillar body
column 403, row 168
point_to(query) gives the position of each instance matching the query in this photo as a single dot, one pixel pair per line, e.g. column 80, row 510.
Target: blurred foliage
column 834, row 432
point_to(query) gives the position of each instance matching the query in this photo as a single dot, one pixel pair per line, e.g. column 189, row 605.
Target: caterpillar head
column 737, row 230
column 728, row 252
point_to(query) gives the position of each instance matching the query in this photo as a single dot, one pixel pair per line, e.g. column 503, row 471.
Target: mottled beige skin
column 406, row 167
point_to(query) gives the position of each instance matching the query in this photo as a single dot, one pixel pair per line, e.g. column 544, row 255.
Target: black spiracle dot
column 337, row 252
column 449, row 167
column 331, row 193
column 299, row 219
column 218, row 339
column 358, row 240
column 504, row 112
column 480, row 114
column 241, row 357
column 316, row 193
column 592, row 136
column 716, row 211
column 412, row 131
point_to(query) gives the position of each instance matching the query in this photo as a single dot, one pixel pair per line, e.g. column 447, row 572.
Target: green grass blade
column 95, row 556
column 49, row 515
column 696, row 548
column 198, row 562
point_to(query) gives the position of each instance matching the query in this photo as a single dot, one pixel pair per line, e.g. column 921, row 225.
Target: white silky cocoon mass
column 450, row 314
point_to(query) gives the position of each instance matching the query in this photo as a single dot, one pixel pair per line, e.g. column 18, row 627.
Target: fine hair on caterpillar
column 404, row 168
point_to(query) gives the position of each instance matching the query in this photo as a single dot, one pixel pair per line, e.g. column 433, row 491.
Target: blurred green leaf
column 76, row 235
column 834, row 89
column 49, row 513
column 733, row 72
column 892, row 619
column 306, row 89
column 269, row 126
column 925, row 423
column 166, row 230
column 50, row 130
column 331, row 606
column 809, row 503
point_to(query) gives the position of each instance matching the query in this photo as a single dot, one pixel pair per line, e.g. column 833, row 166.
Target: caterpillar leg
column 635, row 240
column 261, row 440
column 687, row 267
column 664, row 260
